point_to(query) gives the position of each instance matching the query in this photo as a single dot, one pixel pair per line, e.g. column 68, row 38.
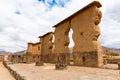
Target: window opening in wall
column 38, row 47
column 83, row 58
column 38, row 56
column 81, row 33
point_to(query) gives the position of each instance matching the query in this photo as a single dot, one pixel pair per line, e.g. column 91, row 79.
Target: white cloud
column 22, row 21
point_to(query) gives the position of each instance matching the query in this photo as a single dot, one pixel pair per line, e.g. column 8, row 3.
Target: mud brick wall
column 61, row 42
column 34, row 48
column 61, row 38
column 33, row 58
column 85, row 34
column 59, row 58
column 84, row 24
column 46, row 46
column 15, row 58
column 86, row 59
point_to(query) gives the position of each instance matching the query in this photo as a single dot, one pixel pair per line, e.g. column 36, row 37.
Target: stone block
column 40, row 63
column 60, row 66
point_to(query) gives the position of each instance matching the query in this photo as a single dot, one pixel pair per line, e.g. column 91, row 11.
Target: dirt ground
column 48, row 72
column 4, row 73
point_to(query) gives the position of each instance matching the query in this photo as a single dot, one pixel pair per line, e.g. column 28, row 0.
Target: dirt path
column 4, row 73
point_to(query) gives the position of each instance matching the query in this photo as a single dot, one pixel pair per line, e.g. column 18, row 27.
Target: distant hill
column 20, row 52
column 111, row 49
column 9, row 53
column 5, row 53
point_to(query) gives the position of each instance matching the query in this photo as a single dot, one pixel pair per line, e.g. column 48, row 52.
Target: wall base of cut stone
column 88, row 59
column 59, row 58
column 45, row 58
column 33, row 58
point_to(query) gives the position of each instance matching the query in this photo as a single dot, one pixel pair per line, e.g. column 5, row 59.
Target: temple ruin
column 34, row 48
column 86, row 51
column 46, row 46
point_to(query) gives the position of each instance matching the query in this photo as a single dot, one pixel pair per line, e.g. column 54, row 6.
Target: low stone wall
column 13, row 73
column 113, row 60
column 59, row 58
column 16, row 58
column 24, row 59
column 33, row 58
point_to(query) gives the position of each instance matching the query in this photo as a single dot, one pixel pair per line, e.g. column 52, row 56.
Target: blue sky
column 22, row 21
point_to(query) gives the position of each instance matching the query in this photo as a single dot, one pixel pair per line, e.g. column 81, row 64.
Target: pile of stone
column 39, row 63
column 60, row 66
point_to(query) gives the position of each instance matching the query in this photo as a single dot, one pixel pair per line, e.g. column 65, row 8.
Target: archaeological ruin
column 46, row 46
column 86, row 51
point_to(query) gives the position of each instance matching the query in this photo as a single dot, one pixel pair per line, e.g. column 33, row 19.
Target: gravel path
column 4, row 73
column 48, row 72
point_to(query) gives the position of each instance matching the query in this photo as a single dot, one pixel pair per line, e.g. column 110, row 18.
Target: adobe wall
column 84, row 23
column 34, row 48
column 15, row 58
column 46, row 46
column 33, row 58
column 87, row 50
column 61, row 42
column 24, row 59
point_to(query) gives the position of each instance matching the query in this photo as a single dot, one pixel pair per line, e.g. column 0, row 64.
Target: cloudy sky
column 22, row 21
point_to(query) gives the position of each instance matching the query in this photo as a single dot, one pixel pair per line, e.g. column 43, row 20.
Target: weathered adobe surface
column 34, row 48
column 87, row 50
column 46, row 46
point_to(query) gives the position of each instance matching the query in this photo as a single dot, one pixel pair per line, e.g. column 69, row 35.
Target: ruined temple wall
column 87, row 50
column 84, row 25
column 61, row 41
column 30, row 48
column 33, row 58
column 34, row 48
column 46, row 46
column 37, row 49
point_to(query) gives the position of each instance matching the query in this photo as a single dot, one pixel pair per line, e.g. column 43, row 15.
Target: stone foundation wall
column 112, row 60
column 33, row 58
column 24, row 59
column 86, row 59
column 15, row 58
column 60, row 58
